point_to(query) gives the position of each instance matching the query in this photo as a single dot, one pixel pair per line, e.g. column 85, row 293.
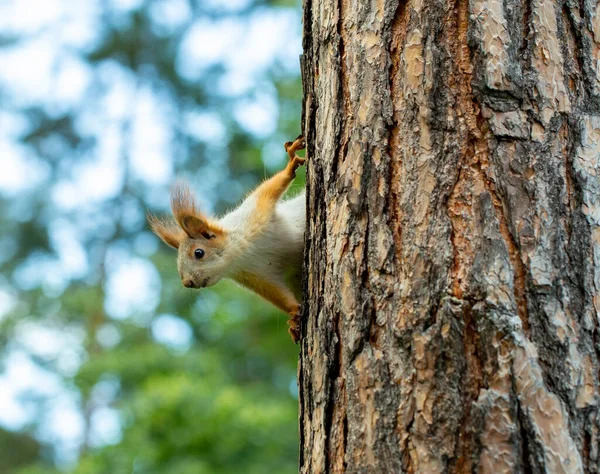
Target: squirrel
column 257, row 244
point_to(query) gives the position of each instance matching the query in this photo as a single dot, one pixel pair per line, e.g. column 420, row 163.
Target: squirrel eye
column 198, row 253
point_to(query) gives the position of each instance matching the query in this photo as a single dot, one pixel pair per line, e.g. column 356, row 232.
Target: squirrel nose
column 188, row 283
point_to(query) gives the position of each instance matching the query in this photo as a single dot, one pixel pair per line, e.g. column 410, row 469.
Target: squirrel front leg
column 267, row 195
column 277, row 294
column 269, row 192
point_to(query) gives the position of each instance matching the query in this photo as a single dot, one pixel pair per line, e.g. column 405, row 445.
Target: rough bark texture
column 452, row 278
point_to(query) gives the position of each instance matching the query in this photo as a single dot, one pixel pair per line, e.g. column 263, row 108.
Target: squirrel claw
column 295, row 333
column 292, row 147
column 294, row 327
column 301, row 142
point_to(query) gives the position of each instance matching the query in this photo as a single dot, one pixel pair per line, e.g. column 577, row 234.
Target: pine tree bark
column 452, row 281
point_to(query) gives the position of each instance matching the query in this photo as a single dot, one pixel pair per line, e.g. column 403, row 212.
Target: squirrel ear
column 188, row 216
column 167, row 230
column 197, row 227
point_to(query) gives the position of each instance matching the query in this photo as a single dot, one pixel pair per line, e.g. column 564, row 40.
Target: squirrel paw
column 294, row 326
column 291, row 148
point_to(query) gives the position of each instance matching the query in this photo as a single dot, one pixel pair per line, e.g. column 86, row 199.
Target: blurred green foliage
column 224, row 405
column 218, row 396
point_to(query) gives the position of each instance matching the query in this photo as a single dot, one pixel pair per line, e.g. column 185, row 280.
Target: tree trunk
column 452, row 280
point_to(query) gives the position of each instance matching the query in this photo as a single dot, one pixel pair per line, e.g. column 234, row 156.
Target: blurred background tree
column 107, row 365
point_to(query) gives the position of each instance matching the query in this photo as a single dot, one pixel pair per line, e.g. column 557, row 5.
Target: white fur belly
column 278, row 249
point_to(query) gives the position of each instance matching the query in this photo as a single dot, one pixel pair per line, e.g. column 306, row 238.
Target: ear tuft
column 183, row 202
column 166, row 229
column 188, row 216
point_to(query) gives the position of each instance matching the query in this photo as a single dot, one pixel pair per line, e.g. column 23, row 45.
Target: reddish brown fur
column 188, row 216
column 183, row 202
column 276, row 294
column 167, row 229
column 269, row 192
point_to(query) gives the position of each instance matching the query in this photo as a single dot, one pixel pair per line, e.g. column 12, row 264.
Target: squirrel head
column 199, row 240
